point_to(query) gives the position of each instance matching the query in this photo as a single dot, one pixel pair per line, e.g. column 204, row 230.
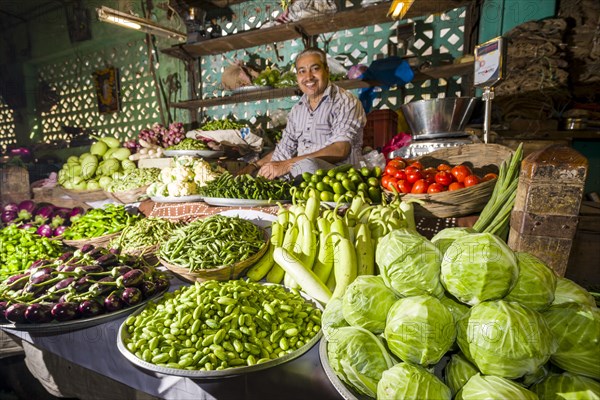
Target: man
column 324, row 128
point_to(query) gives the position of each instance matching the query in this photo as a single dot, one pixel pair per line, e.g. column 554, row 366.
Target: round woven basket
column 222, row 273
column 149, row 254
column 128, row 196
column 482, row 159
column 85, row 196
column 100, row 241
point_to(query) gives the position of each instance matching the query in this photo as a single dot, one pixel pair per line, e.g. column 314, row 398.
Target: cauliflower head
column 177, row 189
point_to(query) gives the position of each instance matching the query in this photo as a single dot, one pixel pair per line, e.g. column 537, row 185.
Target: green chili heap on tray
column 144, row 233
column 99, row 222
column 247, row 187
column 212, row 242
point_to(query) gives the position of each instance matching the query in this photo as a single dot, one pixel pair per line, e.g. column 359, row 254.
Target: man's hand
column 247, row 169
column 274, row 169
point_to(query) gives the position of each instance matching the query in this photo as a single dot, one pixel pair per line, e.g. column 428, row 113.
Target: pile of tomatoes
column 404, row 176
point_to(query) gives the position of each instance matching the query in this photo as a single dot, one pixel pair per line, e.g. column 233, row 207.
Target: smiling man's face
column 312, row 75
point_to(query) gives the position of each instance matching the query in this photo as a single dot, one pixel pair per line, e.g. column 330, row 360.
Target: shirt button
column 311, row 114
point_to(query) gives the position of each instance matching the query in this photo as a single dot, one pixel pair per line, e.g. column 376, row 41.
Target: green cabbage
column 458, row 372
column 358, row 358
column 332, row 318
column 505, row 338
column 567, row 386
column 535, row 377
column 457, row 309
column 577, row 330
column 481, row 387
column 535, row 285
column 419, row 329
column 366, row 303
column 409, row 264
column 444, row 238
column 406, row 381
column 479, row 267
column 568, row 291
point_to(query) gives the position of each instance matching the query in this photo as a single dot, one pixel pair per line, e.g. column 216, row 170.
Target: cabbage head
column 505, row 338
column 576, row 327
column 457, row 309
column 479, row 267
column 366, row 303
column 567, row 386
column 458, row 372
column 358, row 358
column 535, row 377
column 409, row 264
column 444, row 238
column 568, row 291
column 332, row 317
column 481, row 387
column 419, row 329
column 536, row 283
column 406, row 381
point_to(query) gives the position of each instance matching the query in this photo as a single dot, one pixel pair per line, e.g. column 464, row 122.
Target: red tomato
column 397, row 163
column 404, row 186
column 410, row 168
column 429, row 170
column 400, row 175
column 436, row 188
column 456, row 186
column 471, row 180
column 430, row 178
column 444, row 178
column 413, row 176
column 460, row 172
column 420, row 187
column 385, row 180
column 390, row 170
column 416, row 164
column 444, row 167
column 489, row 177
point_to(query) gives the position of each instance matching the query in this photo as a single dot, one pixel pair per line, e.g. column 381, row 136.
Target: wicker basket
column 85, row 196
column 100, row 241
column 482, row 159
column 149, row 254
column 128, row 196
column 223, row 273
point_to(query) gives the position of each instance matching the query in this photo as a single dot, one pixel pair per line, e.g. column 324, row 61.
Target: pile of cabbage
column 463, row 316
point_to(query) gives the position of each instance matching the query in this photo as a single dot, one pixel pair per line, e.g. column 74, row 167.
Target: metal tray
column 179, row 199
column 226, row 373
column 251, row 88
column 66, row 326
column 343, row 390
column 225, row 202
column 194, row 153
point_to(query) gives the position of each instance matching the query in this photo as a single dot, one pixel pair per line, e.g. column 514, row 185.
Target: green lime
column 326, row 179
column 303, row 185
column 312, row 185
column 327, row 196
column 372, row 181
column 338, row 188
column 323, row 187
column 331, row 173
column 315, row 178
column 365, row 172
column 306, row 176
column 320, row 172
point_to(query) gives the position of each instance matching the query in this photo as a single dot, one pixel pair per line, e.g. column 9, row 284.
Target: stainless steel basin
column 444, row 117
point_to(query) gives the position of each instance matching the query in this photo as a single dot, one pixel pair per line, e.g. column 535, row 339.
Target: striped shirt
column 339, row 117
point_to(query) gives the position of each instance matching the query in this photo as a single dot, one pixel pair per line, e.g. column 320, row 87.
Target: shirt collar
column 329, row 92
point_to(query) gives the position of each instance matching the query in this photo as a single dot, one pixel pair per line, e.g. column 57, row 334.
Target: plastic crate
column 381, row 127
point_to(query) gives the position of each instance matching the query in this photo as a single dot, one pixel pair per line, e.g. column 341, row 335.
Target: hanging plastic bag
column 300, row 9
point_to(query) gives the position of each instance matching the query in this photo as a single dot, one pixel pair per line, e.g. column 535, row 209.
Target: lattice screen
column 72, row 80
column 439, row 38
column 7, row 126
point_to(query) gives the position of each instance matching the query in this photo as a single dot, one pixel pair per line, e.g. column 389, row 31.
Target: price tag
column 489, row 63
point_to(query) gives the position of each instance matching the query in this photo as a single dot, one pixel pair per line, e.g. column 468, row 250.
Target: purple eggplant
column 16, row 282
column 131, row 278
column 107, row 260
column 11, row 207
column 60, row 216
column 38, row 263
column 148, row 288
column 86, row 248
column 90, row 308
column 59, row 231
column 40, row 277
column 131, row 296
column 62, row 284
column 75, row 211
column 27, row 226
column 65, row 311
column 39, row 313
column 8, row 216
column 66, row 256
column 26, row 209
column 114, row 250
column 96, row 253
column 66, row 268
column 15, row 313
column 103, row 286
column 45, row 231
column 162, row 283
column 120, row 270
column 3, row 307
column 43, row 213
column 82, row 284
column 88, row 269
column 113, row 302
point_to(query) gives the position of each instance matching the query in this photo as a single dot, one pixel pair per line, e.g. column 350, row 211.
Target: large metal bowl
column 442, row 117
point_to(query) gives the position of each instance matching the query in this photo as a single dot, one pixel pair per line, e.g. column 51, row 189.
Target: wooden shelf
column 582, row 134
column 444, row 71
column 338, row 21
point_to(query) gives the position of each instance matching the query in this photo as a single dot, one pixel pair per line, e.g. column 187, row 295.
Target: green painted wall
column 500, row 16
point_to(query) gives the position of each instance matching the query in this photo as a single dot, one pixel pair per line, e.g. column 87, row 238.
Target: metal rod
column 488, row 95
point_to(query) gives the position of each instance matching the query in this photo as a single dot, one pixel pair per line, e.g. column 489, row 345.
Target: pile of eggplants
column 48, row 219
column 79, row 284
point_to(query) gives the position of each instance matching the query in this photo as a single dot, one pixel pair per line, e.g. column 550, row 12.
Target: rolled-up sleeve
column 348, row 123
column 288, row 145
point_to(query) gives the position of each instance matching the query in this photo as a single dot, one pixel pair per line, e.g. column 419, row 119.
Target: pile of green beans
column 218, row 325
column 133, row 179
column 21, row 247
column 212, row 242
column 144, row 233
column 221, row 124
column 189, row 144
column 247, row 187
column 99, row 222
